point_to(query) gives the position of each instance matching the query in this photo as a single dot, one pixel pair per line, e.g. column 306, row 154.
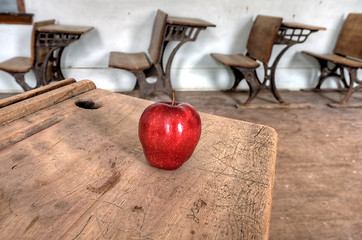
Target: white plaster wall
column 125, row 25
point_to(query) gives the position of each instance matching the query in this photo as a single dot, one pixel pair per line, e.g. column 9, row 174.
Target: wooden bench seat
column 236, row 60
column 16, row 64
column 337, row 59
column 130, row 61
column 347, row 55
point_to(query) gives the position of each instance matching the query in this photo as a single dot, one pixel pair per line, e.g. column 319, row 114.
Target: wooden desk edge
column 46, row 99
column 61, row 28
column 35, row 92
column 302, row 26
column 189, row 21
column 16, row 18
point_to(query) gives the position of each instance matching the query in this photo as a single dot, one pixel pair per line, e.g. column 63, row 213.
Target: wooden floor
column 318, row 179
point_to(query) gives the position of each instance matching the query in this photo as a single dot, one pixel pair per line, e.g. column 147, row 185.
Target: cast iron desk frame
column 180, row 30
column 55, row 38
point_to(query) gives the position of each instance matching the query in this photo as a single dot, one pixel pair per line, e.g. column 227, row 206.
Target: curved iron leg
column 275, row 91
column 251, row 79
column 238, row 77
column 19, row 78
column 330, row 72
column 342, row 77
column 353, row 79
column 58, row 70
column 324, row 72
column 144, row 86
column 163, row 82
column 272, row 74
column 167, row 75
column 327, row 72
column 253, row 82
column 44, row 67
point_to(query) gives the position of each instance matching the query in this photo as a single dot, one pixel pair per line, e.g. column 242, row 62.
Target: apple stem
column 173, row 97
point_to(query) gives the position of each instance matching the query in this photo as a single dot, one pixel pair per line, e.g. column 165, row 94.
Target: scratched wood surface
column 81, row 174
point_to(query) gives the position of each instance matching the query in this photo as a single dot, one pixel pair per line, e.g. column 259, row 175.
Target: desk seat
column 237, row 60
column 131, row 61
column 336, row 59
column 16, row 64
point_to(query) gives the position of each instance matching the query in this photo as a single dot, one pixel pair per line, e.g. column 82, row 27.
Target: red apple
column 169, row 133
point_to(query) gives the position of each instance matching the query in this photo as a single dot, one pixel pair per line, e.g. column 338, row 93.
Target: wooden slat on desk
column 32, row 93
column 33, row 104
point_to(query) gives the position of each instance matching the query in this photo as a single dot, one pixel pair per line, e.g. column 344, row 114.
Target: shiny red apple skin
column 169, row 133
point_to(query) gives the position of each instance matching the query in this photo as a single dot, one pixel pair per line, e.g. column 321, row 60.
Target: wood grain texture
column 35, row 92
column 33, row 104
column 85, row 177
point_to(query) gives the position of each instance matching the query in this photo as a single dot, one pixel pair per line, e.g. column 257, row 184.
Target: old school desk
column 54, row 38
column 166, row 29
column 76, row 170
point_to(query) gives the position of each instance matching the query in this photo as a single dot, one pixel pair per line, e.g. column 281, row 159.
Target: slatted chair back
column 41, row 52
column 349, row 42
column 157, row 35
column 262, row 36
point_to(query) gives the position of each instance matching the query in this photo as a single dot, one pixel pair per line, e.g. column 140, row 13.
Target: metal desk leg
column 269, row 74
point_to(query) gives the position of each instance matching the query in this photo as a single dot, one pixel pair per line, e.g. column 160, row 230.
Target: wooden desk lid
column 302, row 26
column 196, row 22
column 60, row 28
column 81, row 173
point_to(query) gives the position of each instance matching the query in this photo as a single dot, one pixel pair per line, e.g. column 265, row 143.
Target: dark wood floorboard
column 318, row 179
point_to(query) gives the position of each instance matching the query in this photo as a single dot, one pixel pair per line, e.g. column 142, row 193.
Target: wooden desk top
column 16, row 18
column 59, row 28
column 302, row 26
column 195, row 22
column 69, row 172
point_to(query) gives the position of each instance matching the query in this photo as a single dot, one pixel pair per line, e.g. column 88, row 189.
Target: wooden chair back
column 41, row 52
column 262, row 36
column 349, row 42
column 157, row 36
